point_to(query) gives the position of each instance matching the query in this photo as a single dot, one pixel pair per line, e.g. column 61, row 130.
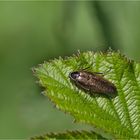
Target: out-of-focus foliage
column 31, row 32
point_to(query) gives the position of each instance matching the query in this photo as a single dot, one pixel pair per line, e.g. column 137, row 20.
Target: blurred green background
column 31, row 32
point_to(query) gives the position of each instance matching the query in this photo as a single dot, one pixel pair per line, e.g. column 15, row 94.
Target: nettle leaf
column 117, row 117
column 69, row 135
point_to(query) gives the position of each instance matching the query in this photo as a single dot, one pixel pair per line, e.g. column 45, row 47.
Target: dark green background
column 33, row 32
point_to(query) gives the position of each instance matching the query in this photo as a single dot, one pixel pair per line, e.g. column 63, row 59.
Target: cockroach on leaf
column 93, row 82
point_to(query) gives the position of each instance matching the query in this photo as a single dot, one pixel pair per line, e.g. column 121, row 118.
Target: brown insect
column 92, row 82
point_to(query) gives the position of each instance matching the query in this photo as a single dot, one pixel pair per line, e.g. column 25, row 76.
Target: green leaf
column 69, row 135
column 117, row 117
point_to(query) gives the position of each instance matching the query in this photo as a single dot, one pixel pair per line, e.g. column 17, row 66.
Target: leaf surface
column 69, row 135
column 117, row 117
